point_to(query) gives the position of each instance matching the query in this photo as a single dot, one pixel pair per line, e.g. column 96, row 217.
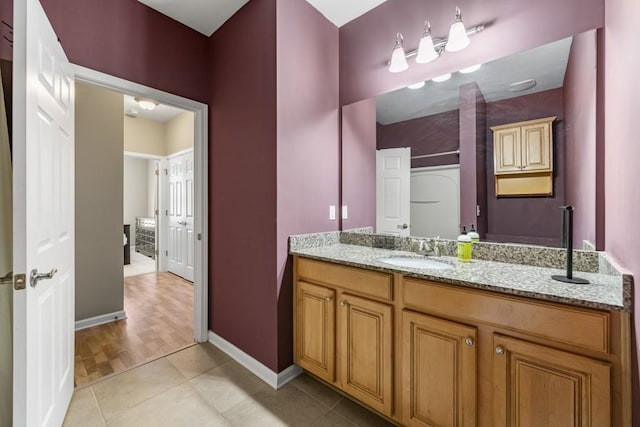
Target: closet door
column 181, row 237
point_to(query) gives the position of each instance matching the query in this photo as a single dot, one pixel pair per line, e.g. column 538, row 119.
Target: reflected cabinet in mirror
column 499, row 148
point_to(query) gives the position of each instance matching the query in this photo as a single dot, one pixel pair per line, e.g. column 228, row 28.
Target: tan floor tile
column 130, row 388
column 286, row 407
column 359, row 415
column 333, row 419
column 316, row 390
column 197, row 359
column 227, row 385
column 180, row 406
column 83, row 410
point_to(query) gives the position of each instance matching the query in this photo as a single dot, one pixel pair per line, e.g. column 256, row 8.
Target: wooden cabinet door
column 536, row 385
column 536, row 147
column 366, row 351
column 506, row 150
column 439, row 366
column 315, row 330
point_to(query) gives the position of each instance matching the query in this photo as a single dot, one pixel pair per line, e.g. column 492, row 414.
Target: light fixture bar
column 439, row 44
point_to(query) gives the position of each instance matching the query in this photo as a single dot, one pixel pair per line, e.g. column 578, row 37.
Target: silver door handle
column 182, row 222
column 36, row 277
column 403, row 226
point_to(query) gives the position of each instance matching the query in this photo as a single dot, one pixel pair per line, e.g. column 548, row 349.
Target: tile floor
column 201, row 386
column 140, row 264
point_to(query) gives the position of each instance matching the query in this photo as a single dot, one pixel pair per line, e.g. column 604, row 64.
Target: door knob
column 403, row 226
column 36, row 277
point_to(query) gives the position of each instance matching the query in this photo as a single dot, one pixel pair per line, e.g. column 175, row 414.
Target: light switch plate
column 332, row 212
column 345, row 212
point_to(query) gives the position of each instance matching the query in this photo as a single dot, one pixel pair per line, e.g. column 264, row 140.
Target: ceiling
column 206, row 16
column 162, row 113
column 546, row 64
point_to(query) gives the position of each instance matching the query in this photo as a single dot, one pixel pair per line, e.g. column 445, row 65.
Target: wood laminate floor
column 159, row 321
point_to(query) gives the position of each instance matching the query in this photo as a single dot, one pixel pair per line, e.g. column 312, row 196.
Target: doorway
column 153, row 170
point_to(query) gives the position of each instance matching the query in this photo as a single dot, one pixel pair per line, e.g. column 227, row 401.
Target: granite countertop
column 604, row 292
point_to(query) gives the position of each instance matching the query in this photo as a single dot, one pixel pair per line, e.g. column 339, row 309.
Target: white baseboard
column 100, row 320
column 275, row 380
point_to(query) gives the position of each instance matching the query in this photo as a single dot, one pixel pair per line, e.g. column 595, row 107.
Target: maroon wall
column 580, row 135
column 308, row 177
column 527, row 219
column 515, row 25
column 6, row 30
column 359, row 163
column 243, row 198
column 437, row 133
column 622, row 110
column 127, row 39
column 473, row 109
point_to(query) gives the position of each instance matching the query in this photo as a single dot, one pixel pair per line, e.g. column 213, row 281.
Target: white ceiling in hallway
column 206, row 16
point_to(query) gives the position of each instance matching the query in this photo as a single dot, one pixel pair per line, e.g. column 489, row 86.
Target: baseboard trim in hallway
column 100, row 320
column 275, row 380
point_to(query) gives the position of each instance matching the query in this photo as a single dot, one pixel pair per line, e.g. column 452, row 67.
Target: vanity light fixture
column 398, row 62
column 471, row 69
column 458, row 38
column 442, row 78
column 418, row 85
column 146, row 104
column 430, row 48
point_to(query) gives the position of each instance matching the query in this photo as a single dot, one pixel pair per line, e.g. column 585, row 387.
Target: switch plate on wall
column 332, row 212
column 345, row 212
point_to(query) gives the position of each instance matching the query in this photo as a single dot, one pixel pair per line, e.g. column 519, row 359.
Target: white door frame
column 201, row 174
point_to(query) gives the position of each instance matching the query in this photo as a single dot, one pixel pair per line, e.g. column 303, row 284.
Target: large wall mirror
column 441, row 132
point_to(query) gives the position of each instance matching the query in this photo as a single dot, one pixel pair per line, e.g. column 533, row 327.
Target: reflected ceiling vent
column 523, row 85
column 131, row 113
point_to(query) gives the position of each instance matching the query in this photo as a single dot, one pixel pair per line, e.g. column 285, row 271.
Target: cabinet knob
column 328, row 299
column 500, row 350
column 468, row 341
column 343, row 303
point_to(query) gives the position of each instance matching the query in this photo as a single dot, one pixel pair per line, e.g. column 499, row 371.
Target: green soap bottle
column 464, row 246
column 475, row 237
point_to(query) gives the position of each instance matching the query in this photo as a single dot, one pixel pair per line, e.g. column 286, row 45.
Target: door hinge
column 19, row 282
column 166, row 253
column 156, row 252
column 166, row 171
column 156, row 212
column 157, row 173
column 166, row 212
column 199, row 237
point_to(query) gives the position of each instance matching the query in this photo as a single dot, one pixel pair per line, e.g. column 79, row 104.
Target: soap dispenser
column 464, row 246
column 475, row 237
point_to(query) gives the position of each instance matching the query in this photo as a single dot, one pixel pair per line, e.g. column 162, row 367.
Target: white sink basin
column 416, row 263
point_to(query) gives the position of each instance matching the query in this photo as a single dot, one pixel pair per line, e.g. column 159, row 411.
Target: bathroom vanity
column 482, row 343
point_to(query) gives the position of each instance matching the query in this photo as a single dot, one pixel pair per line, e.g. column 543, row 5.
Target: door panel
column 366, row 351
column 439, row 372
column 393, row 211
column 181, row 236
column 507, row 150
column 536, row 155
column 43, row 160
column 315, row 330
column 536, row 385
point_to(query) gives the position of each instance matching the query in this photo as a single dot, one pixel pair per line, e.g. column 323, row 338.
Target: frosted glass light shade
column 442, row 78
column 426, row 51
column 418, row 85
column 146, row 104
column 458, row 38
column 398, row 58
column 471, row 69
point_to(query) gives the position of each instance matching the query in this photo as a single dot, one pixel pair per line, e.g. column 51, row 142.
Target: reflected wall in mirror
column 452, row 176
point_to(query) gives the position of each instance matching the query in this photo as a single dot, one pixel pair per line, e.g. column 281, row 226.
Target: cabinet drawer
column 584, row 328
column 365, row 282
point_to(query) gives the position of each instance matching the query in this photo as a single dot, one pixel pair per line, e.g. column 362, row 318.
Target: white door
column 43, row 212
column 393, row 168
column 435, row 202
column 181, row 239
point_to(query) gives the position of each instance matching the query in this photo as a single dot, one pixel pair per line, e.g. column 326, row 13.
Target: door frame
column 201, row 178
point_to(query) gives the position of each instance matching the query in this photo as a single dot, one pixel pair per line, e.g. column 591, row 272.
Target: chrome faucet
column 430, row 246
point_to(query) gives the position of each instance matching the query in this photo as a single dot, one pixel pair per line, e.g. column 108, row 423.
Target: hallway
column 159, row 321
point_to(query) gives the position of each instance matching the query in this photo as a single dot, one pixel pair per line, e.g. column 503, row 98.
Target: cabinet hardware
column 499, row 350
column 343, row 303
column 328, row 299
column 468, row 341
